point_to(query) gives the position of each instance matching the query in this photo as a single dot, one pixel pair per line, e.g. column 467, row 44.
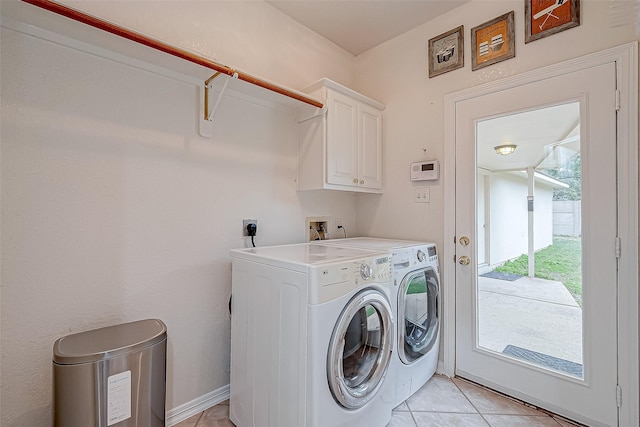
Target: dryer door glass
column 418, row 318
column 360, row 349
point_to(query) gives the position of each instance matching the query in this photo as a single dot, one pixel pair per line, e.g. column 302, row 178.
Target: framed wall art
column 493, row 41
column 546, row 17
column 446, row 52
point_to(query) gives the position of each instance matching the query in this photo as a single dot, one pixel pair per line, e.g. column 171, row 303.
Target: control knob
column 366, row 271
column 421, row 256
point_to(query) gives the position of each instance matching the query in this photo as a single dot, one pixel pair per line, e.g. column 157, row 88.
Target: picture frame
column 493, row 41
column 446, row 52
column 546, row 17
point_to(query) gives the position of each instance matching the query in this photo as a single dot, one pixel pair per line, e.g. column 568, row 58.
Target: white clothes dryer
column 416, row 288
column 311, row 337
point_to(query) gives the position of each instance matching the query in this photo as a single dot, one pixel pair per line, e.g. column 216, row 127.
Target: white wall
column 396, row 73
column 509, row 217
column 114, row 209
column 248, row 35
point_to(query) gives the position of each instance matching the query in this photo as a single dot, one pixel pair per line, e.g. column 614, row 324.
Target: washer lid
column 109, row 342
column 376, row 243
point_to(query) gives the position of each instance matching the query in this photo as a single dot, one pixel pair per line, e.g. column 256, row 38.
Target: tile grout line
column 544, row 412
column 415, row 423
column 199, row 418
column 470, row 402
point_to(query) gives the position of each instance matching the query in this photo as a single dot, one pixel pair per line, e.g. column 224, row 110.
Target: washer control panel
column 335, row 280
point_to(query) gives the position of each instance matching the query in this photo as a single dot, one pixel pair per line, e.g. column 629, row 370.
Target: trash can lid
column 109, row 342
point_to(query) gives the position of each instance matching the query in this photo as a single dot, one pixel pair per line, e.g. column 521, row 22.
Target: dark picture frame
column 446, row 52
column 493, row 41
column 546, row 17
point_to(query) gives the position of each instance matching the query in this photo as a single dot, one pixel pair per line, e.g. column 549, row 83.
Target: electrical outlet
column 338, row 223
column 246, row 222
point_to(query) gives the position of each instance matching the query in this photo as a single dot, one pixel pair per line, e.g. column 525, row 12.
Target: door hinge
column 618, row 247
column 619, row 396
column 617, row 99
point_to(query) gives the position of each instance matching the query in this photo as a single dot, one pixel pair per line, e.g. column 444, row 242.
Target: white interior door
column 589, row 396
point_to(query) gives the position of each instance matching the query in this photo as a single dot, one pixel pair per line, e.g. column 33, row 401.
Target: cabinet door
column 370, row 147
column 342, row 140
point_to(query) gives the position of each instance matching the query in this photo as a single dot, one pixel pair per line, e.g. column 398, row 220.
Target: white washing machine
column 416, row 288
column 311, row 337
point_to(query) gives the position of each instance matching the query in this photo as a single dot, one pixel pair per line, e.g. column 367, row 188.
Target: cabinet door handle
column 362, row 181
column 355, row 180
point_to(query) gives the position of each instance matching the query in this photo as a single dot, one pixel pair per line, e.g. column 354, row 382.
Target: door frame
column 626, row 59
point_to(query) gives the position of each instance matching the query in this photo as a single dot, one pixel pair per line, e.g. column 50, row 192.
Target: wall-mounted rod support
column 109, row 27
column 320, row 112
column 209, row 113
column 210, row 79
column 207, row 91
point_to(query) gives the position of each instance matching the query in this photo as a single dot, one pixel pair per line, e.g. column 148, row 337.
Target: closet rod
column 166, row 48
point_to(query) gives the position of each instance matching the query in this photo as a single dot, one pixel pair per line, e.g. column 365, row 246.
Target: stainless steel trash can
column 113, row 376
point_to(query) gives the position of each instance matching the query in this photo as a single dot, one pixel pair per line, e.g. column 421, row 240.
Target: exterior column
column 530, row 177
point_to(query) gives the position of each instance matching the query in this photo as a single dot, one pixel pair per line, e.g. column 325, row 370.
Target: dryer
column 311, row 337
column 415, row 293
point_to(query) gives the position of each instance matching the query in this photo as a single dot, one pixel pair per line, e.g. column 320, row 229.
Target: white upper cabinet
column 342, row 149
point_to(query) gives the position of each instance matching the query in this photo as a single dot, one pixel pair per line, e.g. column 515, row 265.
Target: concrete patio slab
column 534, row 314
column 531, row 288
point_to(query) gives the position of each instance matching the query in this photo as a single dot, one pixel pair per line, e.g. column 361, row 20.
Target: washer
column 312, row 335
column 416, row 288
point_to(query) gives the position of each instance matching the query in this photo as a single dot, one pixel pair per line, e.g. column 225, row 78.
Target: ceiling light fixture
column 505, row 150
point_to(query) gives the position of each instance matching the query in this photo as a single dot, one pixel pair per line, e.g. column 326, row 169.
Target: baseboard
column 197, row 405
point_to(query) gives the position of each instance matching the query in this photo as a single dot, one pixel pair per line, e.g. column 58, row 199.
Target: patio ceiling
column 545, row 137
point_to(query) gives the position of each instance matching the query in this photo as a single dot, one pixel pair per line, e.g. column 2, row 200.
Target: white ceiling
column 545, row 138
column 359, row 25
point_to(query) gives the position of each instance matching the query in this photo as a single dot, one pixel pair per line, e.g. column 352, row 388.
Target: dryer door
column 360, row 349
column 418, row 320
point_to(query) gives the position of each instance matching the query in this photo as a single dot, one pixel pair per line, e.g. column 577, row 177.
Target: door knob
column 464, row 241
column 464, row 260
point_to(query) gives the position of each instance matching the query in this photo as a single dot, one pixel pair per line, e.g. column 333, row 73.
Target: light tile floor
column 442, row 402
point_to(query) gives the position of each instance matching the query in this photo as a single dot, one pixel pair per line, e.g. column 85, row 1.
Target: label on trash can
column 118, row 397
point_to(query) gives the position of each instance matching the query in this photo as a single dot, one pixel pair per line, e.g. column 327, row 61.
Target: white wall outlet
column 422, row 194
column 246, row 222
column 338, row 223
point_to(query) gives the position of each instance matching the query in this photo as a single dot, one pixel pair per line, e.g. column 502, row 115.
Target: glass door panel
column 528, row 211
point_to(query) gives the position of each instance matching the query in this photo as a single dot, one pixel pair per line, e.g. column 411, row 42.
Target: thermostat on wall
column 424, row 171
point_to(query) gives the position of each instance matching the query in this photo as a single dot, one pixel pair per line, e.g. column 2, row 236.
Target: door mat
column 562, row 365
column 501, row 276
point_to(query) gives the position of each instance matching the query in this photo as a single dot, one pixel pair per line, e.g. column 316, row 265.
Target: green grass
column 419, row 287
column 561, row 261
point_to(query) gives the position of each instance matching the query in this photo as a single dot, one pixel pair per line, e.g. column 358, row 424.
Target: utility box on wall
column 111, row 376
